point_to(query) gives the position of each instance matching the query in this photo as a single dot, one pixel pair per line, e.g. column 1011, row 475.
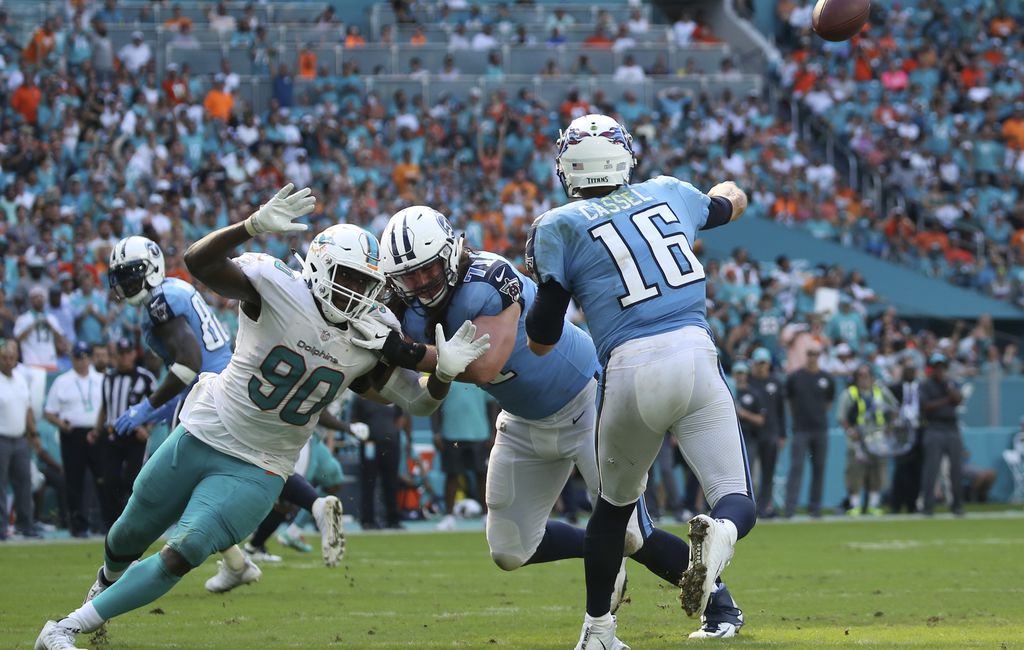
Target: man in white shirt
column 629, row 71
column 39, row 333
column 484, row 41
column 135, row 55
column 17, row 433
column 72, row 406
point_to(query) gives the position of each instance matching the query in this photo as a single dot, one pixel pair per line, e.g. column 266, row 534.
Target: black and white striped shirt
column 124, row 389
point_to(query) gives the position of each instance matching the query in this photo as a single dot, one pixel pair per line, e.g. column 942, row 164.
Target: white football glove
column 374, row 331
column 455, row 354
column 277, row 214
column 360, row 430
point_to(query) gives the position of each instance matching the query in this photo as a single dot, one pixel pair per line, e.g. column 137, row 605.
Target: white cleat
column 97, row 587
column 55, row 636
column 260, row 555
column 619, row 591
column 448, row 523
column 327, row 513
column 599, row 634
column 711, row 549
column 226, row 579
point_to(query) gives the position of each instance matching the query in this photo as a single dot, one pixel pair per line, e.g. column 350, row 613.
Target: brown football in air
column 838, row 20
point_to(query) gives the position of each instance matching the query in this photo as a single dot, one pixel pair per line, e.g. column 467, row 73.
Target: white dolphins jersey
column 287, row 365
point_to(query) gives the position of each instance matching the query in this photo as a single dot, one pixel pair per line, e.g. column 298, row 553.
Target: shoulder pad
column 500, row 275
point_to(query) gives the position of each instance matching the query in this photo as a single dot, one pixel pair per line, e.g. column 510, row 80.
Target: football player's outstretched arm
column 736, row 197
column 209, row 259
column 175, row 335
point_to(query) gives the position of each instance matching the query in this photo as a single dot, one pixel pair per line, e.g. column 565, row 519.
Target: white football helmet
column 136, row 267
column 343, row 246
column 414, row 239
column 594, row 151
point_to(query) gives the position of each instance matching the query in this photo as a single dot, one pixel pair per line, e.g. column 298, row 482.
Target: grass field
column 942, row 583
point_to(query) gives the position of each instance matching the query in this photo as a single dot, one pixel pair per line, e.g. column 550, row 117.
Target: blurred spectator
column 940, row 396
column 484, row 41
column 599, row 39
column 72, row 405
column 38, row 332
column 906, row 478
column 379, row 456
column 772, row 436
column 135, row 55
column 683, row 29
column 59, row 306
column 18, row 434
column 353, row 38
column 864, row 407
column 463, row 434
column 637, row 24
column 810, row 392
column 629, row 71
column 221, row 21
column 219, row 102
column 26, row 99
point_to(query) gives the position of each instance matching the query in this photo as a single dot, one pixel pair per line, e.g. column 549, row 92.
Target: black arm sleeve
column 545, row 319
column 719, row 212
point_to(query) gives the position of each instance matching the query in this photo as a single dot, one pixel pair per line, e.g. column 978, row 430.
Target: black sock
column 665, row 555
column 266, row 528
column 297, row 490
column 739, row 509
column 560, row 541
column 602, row 553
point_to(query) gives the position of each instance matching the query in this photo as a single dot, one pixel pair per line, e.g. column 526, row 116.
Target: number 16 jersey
column 628, row 259
column 288, row 364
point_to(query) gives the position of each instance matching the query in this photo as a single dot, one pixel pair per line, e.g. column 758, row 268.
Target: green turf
column 940, row 583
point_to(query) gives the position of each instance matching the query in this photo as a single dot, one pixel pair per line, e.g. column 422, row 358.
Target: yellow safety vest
column 862, row 406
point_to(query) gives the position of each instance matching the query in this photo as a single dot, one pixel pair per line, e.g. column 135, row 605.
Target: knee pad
column 174, row 561
column 634, row 542
column 194, row 546
column 501, row 489
column 506, row 545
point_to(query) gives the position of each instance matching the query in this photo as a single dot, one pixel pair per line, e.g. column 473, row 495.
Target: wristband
column 398, row 352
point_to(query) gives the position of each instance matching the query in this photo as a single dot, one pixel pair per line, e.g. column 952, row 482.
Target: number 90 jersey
column 175, row 298
column 288, row 365
column 628, row 259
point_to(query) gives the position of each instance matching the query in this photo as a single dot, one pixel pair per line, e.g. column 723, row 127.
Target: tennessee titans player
column 624, row 251
column 548, row 404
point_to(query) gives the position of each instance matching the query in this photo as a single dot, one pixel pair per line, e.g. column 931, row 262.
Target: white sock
column 234, row 558
column 602, row 621
column 874, row 499
column 730, row 529
column 84, row 619
column 854, row 502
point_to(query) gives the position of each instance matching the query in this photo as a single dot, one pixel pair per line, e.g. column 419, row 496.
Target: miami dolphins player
column 220, row 471
column 184, row 332
column 548, row 405
column 625, row 252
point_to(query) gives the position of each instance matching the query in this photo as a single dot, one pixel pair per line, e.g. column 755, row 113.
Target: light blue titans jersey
column 627, row 257
column 529, row 386
column 176, row 298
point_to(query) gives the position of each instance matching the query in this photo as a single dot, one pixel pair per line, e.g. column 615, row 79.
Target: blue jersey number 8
column 214, row 336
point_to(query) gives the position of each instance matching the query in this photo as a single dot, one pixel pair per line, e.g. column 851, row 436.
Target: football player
column 222, row 468
column 548, row 404
column 180, row 328
column 625, row 252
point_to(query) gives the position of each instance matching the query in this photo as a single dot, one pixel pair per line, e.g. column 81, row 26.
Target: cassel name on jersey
column 302, row 345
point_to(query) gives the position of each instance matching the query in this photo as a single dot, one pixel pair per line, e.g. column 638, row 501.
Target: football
column 838, row 20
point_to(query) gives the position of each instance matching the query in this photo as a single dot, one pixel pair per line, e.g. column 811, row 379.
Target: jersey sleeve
column 492, row 289
column 545, row 253
column 696, row 204
column 264, row 271
column 163, row 306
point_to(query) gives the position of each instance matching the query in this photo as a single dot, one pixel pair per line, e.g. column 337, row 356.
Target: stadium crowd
column 930, row 97
column 96, row 145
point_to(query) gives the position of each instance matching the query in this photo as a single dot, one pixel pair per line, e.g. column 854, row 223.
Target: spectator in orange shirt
column 353, row 38
column 41, row 45
column 219, row 102
column 418, row 37
column 174, row 86
column 1002, row 26
column 406, row 175
column 176, row 20
column 934, row 236
column 26, row 99
column 598, row 39
column 307, row 63
column 1013, row 127
column 522, row 185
